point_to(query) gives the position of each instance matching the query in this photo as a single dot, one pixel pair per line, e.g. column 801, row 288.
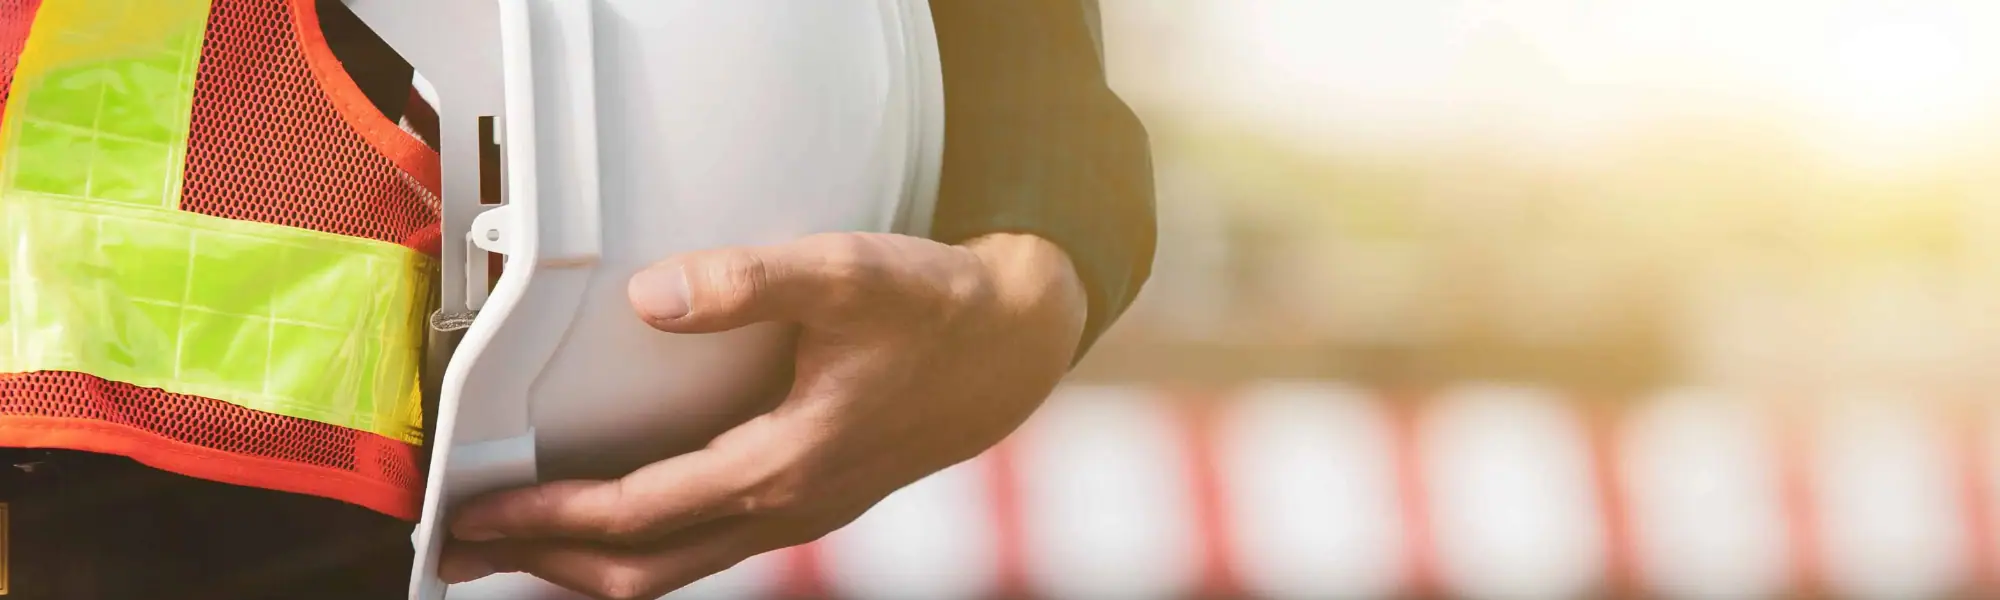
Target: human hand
column 912, row 356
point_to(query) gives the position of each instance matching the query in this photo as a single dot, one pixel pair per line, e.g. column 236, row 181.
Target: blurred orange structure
column 1294, row 489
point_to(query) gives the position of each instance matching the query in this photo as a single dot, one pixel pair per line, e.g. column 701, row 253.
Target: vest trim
column 154, row 450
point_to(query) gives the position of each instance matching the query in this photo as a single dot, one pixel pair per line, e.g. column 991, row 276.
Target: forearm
column 1039, row 144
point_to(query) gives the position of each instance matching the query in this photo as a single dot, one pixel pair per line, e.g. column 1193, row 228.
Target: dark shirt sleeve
column 1036, row 142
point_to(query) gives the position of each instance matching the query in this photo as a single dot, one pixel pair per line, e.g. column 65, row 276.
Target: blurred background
column 1513, row 299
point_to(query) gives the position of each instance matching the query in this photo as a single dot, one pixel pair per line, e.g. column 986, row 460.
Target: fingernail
column 661, row 293
column 463, row 569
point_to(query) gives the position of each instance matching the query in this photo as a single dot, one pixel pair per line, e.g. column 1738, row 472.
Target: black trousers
column 94, row 527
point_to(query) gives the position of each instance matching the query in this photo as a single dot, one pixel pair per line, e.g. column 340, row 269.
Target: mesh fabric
column 279, row 135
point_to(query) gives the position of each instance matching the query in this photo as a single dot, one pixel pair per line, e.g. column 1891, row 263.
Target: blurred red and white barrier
column 1484, row 492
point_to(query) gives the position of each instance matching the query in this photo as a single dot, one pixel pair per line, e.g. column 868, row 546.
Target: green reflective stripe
column 102, row 274
column 281, row 320
column 102, row 100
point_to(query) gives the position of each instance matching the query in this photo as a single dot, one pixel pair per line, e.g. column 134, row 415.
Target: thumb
column 718, row 290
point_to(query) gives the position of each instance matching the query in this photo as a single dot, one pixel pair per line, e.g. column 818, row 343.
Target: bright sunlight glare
column 1895, row 92
column 1875, row 83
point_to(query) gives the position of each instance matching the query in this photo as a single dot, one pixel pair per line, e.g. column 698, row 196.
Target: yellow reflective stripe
column 281, row 320
column 103, row 95
column 103, row 275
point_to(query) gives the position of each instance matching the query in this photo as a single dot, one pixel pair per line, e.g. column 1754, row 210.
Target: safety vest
column 218, row 253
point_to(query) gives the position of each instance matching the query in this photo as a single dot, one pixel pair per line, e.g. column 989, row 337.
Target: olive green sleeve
column 1036, row 142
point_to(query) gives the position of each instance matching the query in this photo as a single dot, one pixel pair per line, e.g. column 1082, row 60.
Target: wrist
column 1034, row 276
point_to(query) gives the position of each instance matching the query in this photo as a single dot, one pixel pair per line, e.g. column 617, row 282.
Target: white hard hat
column 632, row 130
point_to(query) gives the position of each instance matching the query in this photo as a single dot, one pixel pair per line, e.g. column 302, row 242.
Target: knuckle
column 782, row 492
column 739, row 274
column 748, row 270
column 625, row 582
column 536, row 508
column 858, row 274
column 540, row 499
column 843, row 257
column 775, row 500
column 623, row 519
column 781, row 483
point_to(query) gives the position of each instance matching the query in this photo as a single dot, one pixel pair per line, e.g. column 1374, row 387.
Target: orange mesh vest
column 218, row 252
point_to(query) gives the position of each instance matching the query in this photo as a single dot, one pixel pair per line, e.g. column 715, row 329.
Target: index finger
column 651, row 502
